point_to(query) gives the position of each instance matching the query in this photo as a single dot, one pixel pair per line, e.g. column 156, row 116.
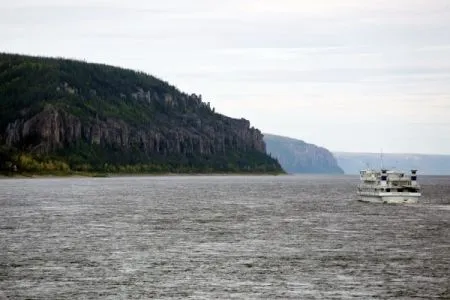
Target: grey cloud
column 233, row 51
column 326, row 75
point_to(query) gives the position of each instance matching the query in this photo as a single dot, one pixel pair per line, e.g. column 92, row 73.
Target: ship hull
column 394, row 198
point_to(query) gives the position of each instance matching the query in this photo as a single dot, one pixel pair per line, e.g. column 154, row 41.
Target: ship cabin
column 389, row 181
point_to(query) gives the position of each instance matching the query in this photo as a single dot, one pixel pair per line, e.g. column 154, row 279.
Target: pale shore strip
column 47, row 176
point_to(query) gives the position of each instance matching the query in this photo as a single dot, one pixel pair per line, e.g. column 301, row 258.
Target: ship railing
column 389, row 193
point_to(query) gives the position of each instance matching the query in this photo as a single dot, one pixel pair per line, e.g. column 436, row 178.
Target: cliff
column 426, row 164
column 296, row 156
column 65, row 114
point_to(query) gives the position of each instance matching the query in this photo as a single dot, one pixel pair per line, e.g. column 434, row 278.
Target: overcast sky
column 349, row 75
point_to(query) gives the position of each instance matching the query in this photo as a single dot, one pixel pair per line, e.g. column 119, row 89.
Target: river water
column 221, row 237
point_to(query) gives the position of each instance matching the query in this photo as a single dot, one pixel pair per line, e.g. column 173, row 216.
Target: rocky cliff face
column 50, row 107
column 53, row 129
column 296, row 156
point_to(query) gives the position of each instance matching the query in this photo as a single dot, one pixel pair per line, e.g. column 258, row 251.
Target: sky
column 348, row 75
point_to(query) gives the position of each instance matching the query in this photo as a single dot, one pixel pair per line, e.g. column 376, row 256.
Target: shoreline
column 117, row 175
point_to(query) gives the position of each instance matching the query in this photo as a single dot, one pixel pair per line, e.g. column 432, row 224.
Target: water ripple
column 228, row 237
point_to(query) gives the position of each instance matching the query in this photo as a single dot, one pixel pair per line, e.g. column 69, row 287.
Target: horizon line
column 377, row 153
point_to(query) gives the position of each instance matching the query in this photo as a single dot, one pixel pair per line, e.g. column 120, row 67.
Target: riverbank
column 109, row 175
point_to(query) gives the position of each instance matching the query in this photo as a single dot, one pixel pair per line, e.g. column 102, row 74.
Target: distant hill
column 427, row 164
column 297, row 156
column 60, row 115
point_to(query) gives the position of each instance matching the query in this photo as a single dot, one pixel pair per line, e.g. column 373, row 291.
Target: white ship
column 388, row 186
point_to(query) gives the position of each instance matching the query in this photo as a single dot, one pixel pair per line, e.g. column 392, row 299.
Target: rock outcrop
column 296, row 156
column 54, row 128
column 57, row 107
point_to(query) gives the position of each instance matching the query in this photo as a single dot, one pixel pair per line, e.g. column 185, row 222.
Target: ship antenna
column 381, row 156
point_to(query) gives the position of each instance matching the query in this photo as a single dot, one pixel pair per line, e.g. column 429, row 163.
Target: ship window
column 388, row 190
column 400, row 190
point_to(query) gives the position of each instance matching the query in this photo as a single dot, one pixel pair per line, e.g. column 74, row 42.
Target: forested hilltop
column 62, row 116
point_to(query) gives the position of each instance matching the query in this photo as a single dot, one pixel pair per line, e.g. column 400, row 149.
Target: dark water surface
column 227, row 237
